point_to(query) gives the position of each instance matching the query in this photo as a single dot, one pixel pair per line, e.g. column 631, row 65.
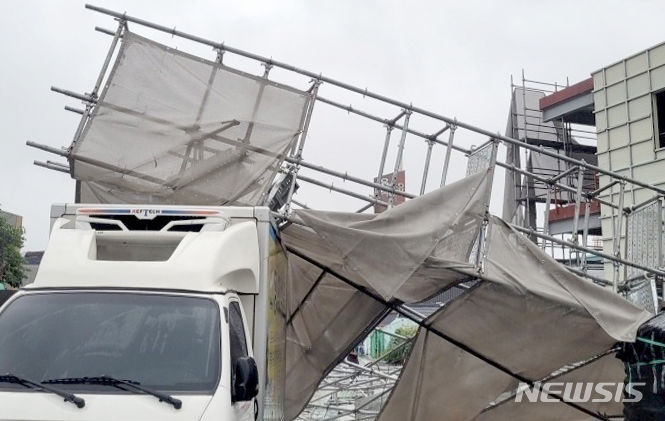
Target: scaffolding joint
column 316, row 82
column 267, row 65
column 220, row 54
column 453, row 125
column 122, row 21
column 392, row 122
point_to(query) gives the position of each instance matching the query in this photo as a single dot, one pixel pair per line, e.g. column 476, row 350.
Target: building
column 626, row 102
column 542, row 194
column 629, row 105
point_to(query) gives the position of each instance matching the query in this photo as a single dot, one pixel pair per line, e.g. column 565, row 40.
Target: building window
column 659, row 111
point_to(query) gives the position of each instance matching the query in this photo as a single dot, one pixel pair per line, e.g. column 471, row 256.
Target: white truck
column 149, row 313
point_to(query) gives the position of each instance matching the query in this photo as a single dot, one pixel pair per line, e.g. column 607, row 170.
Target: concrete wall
column 624, row 111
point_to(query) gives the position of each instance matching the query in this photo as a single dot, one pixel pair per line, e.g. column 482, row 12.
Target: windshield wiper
column 112, row 381
column 68, row 397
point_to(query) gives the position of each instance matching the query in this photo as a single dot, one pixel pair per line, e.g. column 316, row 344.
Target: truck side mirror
column 245, row 380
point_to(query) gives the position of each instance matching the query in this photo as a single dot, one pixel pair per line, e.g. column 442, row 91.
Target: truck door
column 239, row 347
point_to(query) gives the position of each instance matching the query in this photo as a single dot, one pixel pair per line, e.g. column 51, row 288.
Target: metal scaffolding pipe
column 72, row 94
column 302, row 205
column 340, row 190
column 301, row 141
column 109, row 55
column 401, row 114
column 546, row 222
column 644, row 203
column 578, row 201
column 97, row 163
column 616, row 246
column 588, row 250
column 369, row 370
column 439, row 132
column 584, row 274
column 60, row 164
column 384, row 153
column 547, row 181
column 585, row 232
column 346, row 176
column 398, row 159
column 446, row 161
column 74, row 110
column 50, row 166
column 563, row 174
column 482, row 239
column 104, row 30
column 47, row 148
column 387, row 122
column 364, row 208
column 428, row 158
column 308, row 117
column 98, row 82
column 601, row 189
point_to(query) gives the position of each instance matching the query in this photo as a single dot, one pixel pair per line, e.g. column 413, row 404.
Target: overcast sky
column 452, row 57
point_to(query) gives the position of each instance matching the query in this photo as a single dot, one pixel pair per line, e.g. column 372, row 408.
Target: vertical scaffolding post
column 303, row 136
column 585, row 232
column 660, row 244
column 400, row 152
column 384, row 154
column 449, row 149
column 301, row 141
column 578, row 201
column 482, row 238
column 98, row 83
column 430, row 144
column 527, row 202
column 546, row 222
column 616, row 245
column 267, row 67
column 576, row 217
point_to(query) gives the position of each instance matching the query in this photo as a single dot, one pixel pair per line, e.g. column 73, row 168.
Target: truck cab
column 149, row 312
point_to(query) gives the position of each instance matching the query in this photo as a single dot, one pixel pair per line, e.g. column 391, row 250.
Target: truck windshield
column 165, row 342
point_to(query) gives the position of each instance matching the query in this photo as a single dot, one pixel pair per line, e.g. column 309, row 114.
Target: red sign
column 385, row 196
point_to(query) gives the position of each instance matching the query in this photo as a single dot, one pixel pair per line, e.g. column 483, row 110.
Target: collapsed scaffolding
column 637, row 256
